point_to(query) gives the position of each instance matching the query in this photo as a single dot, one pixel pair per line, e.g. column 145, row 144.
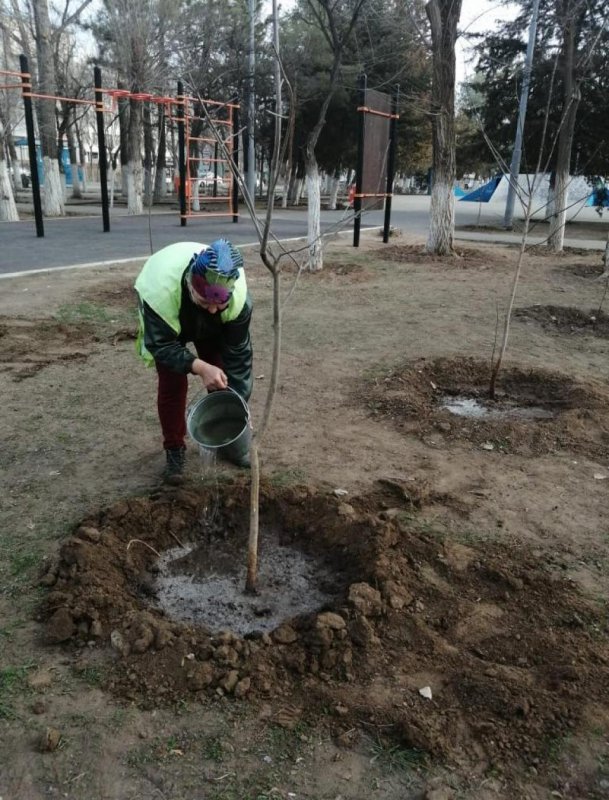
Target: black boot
column 174, row 468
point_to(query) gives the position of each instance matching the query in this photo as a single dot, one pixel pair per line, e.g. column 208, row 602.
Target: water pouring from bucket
column 220, row 424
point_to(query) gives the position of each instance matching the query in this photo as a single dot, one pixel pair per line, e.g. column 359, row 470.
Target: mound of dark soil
column 463, row 257
column 513, row 657
column 29, row 345
column 566, row 319
column 335, row 271
column 584, row 269
column 411, row 396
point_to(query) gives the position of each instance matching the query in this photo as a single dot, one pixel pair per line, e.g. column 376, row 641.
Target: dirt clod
column 60, row 626
column 49, row 740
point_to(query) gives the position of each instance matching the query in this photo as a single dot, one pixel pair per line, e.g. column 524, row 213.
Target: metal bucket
column 219, row 422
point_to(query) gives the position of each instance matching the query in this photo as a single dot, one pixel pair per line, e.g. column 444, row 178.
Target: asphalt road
column 73, row 241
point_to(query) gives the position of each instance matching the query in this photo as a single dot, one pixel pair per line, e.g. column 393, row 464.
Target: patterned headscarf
column 212, row 272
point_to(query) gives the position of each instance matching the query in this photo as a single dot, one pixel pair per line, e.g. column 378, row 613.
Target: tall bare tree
column 47, row 35
column 129, row 29
column 336, row 21
column 53, row 200
column 443, row 18
column 576, row 51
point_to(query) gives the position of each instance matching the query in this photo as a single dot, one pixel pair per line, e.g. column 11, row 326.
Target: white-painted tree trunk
column 286, row 187
column 76, row 189
column 316, row 257
column 556, row 238
column 135, row 203
column 333, row 194
column 300, row 184
column 195, row 204
column 8, row 208
column 443, row 19
column 53, row 198
column 112, row 182
column 442, row 219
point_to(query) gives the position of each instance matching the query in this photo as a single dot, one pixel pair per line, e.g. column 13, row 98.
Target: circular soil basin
column 567, row 320
column 204, row 584
column 504, row 649
column 535, row 411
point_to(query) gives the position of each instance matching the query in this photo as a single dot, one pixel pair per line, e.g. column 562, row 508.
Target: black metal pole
column 359, row 169
column 393, row 130
column 101, row 146
column 26, row 90
column 181, row 151
column 235, row 137
column 215, row 189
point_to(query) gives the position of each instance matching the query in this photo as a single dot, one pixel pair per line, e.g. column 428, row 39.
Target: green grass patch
column 397, row 758
column 212, row 749
column 82, row 312
column 92, row 676
column 12, row 683
column 288, row 477
column 23, row 562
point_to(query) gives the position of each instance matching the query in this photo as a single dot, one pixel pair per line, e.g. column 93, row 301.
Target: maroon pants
column 171, row 399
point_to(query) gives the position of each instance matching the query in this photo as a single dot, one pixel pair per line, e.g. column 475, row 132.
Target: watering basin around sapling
column 204, row 584
column 473, row 408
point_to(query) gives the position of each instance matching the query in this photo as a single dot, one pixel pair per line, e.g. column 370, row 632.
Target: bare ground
column 485, row 567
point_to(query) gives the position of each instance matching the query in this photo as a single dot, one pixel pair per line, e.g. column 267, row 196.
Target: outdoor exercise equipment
column 376, row 148
column 192, row 116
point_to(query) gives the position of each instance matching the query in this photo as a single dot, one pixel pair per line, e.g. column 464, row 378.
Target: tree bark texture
column 314, row 242
column 571, row 98
column 72, row 150
column 148, row 154
column 124, row 112
column 134, row 160
column 160, row 185
column 53, row 200
column 8, row 208
column 443, row 18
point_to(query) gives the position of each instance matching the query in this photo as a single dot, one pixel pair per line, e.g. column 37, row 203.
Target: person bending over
column 192, row 292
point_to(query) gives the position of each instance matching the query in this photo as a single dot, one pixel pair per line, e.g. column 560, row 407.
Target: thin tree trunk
column 134, row 160
column 124, row 114
column 572, row 95
column 334, row 190
column 316, row 256
column 508, row 315
column 82, row 159
column 8, row 208
column 160, row 185
column 148, row 154
column 76, row 192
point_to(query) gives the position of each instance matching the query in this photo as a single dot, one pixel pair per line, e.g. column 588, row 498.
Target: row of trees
column 144, row 44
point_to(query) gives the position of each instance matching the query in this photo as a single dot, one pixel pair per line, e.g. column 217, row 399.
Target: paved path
column 73, row 241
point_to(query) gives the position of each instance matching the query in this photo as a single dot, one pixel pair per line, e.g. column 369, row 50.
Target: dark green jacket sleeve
column 232, row 339
column 164, row 344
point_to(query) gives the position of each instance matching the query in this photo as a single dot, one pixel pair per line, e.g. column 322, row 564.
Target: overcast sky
column 478, row 16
